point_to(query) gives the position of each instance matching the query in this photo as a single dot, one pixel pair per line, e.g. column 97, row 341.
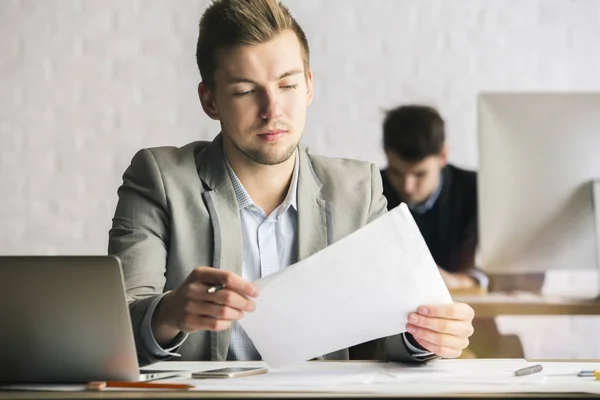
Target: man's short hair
column 228, row 23
column 413, row 132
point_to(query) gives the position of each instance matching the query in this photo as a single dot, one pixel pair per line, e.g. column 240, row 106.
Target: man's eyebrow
column 246, row 80
column 239, row 80
column 292, row 72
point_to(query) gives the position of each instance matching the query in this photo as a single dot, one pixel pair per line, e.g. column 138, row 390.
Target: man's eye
column 289, row 86
column 242, row 94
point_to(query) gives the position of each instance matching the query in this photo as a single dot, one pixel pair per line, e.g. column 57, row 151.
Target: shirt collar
column 244, row 200
column 430, row 202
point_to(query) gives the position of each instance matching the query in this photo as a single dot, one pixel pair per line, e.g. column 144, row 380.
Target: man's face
column 415, row 181
column 260, row 98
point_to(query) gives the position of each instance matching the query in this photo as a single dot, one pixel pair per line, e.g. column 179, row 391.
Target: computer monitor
column 539, row 155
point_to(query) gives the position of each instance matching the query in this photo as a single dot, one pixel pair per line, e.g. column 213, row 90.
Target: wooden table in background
column 488, row 342
column 523, row 303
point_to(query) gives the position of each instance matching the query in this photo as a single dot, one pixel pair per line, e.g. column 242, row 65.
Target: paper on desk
column 358, row 289
column 310, row 376
column 474, row 371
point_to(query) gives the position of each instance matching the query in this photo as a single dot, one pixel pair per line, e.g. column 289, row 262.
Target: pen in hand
column 216, row 288
column 528, row 370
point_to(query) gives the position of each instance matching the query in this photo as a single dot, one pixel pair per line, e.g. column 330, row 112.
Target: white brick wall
column 86, row 83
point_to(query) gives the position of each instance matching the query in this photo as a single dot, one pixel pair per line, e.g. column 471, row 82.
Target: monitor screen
column 539, row 155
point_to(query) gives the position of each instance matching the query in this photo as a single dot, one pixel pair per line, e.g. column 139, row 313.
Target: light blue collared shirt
column 270, row 244
column 430, row 202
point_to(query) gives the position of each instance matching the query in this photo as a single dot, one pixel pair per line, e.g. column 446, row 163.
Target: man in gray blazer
column 247, row 204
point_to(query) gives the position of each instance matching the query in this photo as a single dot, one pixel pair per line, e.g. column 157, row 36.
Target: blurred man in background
column 442, row 197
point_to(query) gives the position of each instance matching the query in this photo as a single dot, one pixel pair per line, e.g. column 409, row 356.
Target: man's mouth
column 272, row 135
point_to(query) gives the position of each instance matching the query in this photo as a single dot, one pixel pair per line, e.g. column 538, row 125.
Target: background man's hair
column 227, row 23
column 413, row 132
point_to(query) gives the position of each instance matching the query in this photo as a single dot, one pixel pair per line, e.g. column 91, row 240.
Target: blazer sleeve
column 140, row 238
column 378, row 205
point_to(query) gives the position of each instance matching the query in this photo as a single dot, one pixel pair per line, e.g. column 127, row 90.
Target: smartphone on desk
column 229, row 372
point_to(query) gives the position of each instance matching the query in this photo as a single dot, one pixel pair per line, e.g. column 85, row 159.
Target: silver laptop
column 66, row 320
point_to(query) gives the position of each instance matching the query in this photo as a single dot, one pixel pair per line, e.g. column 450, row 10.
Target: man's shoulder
column 339, row 168
column 352, row 186
column 169, row 159
column 461, row 186
column 461, row 176
column 172, row 155
column 165, row 163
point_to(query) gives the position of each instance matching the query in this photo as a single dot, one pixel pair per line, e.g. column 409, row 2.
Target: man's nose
column 408, row 186
column 271, row 107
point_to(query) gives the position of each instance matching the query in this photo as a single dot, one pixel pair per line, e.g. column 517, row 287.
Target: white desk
column 367, row 379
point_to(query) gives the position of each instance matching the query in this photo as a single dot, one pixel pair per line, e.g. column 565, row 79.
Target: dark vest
column 450, row 226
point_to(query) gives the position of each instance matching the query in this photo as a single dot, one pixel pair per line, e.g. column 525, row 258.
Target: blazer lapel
column 225, row 217
column 314, row 213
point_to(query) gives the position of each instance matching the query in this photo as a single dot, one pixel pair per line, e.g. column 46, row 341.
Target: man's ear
column 443, row 157
column 207, row 99
column 309, row 87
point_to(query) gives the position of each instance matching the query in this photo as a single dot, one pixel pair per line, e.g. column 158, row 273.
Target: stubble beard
column 260, row 157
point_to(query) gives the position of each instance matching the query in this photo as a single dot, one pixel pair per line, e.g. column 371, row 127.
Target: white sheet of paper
column 360, row 288
column 315, row 375
column 474, row 371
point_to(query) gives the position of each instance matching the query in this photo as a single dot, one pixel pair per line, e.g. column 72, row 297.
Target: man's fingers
column 229, row 298
column 196, row 296
column 217, row 311
column 443, row 329
column 442, row 351
column 213, row 276
column 458, row 311
column 442, row 325
column 440, row 339
column 193, row 308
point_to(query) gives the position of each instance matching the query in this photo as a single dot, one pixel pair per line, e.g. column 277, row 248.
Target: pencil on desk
column 529, row 370
column 136, row 385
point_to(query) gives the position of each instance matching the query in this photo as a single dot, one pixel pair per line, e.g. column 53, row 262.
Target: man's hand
column 443, row 329
column 191, row 308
